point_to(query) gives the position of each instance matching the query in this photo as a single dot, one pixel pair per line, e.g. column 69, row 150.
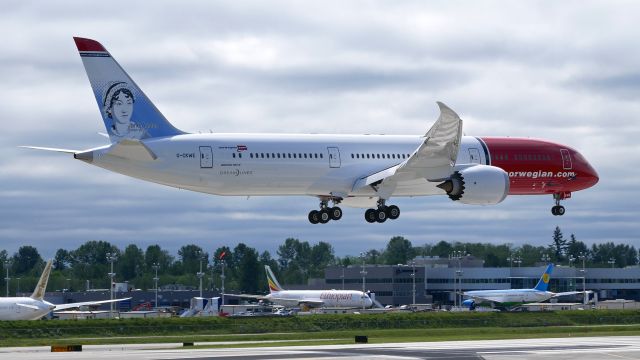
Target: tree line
column 295, row 262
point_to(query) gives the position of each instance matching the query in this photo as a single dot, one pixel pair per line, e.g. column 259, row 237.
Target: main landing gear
column 382, row 213
column 558, row 210
column 326, row 213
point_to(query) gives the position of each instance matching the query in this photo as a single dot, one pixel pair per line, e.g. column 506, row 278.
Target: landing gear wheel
column 558, row 210
column 381, row 215
column 370, row 215
column 335, row 212
column 324, row 216
column 393, row 212
column 314, row 216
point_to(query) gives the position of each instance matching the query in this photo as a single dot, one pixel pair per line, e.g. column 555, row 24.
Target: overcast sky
column 564, row 71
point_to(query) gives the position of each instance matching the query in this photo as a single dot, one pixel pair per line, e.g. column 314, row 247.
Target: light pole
column 200, row 274
column 612, row 262
column 68, row 284
column 155, row 267
column 457, row 255
column 111, row 257
column 222, row 277
column 7, row 263
column 518, row 260
column 582, row 256
column 342, row 277
column 571, row 260
column 545, row 258
column 364, row 279
column 18, row 286
column 413, row 278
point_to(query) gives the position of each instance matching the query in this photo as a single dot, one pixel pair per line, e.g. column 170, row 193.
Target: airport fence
column 312, row 323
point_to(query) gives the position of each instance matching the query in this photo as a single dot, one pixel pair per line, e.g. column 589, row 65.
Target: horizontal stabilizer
column 68, row 151
column 32, row 307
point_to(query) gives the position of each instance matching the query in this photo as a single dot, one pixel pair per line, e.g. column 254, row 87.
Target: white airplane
column 513, row 297
column 310, row 298
column 35, row 307
column 352, row 170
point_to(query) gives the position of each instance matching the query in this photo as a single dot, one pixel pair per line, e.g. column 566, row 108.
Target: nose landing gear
column 382, row 213
column 559, row 210
column 326, row 213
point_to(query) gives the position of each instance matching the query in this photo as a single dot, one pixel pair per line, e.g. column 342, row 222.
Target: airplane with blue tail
column 364, row 171
column 510, row 298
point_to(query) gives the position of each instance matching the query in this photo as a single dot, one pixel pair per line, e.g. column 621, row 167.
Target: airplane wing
column 567, row 293
column 32, row 307
column 59, row 307
column 249, row 296
column 433, row 160
column 311, row 303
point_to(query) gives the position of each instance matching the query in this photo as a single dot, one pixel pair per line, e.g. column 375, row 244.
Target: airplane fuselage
column 511, row 296
column 327, row 298
column 329, row 165
column 23, row 308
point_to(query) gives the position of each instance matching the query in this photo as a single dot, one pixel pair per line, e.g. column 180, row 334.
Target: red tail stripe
column 88, row 45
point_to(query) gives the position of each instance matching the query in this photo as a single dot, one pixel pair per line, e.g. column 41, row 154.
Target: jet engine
column 477, row 185
column 470, row 303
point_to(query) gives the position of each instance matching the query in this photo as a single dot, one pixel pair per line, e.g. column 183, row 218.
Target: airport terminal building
column 437, row 279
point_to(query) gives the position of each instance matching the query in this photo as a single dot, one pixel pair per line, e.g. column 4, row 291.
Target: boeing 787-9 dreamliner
column 351, row 170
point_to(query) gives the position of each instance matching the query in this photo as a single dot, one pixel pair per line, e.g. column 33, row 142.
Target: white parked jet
column 311, row 298
column 513, row 297
column 352, row 170
column 35, row 307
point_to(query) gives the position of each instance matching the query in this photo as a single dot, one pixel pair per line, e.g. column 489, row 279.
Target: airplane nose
column 590, row 174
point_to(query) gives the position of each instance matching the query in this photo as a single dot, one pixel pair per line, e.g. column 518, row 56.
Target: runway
column 584, row 348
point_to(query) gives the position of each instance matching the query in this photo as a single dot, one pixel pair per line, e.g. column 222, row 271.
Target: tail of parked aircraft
column 274, row 285
column 543, row 283
column 125, row 109
column 41, row 288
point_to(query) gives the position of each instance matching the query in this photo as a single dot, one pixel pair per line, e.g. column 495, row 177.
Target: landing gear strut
column 326, row 213
column 558, row 210
column 382, row 213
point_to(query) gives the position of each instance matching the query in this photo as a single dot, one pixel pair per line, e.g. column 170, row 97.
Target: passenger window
column 267, row 155
column 294, row 156
column 251, row 155
column 367, row 156
column 273, row 155
column 240, row 155
column 305, row 155
column 321, row 157
column 262, row 155
column 352, row 156
column 315, row 156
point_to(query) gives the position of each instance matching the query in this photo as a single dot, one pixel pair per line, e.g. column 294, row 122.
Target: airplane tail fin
column 274, row 285
column 41, row 288
column 125, row 109
column 543, row 283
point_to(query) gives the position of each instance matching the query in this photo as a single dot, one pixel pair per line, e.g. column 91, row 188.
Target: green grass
column 334, row 329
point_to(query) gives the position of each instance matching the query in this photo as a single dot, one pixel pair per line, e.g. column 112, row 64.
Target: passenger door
column 334, row 157
column 206, row 157
column 474, row 156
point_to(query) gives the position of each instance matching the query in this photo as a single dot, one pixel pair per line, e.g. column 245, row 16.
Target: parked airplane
column 35, row 307
column 513, row 297
column 310, row 298
column 352, row 170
